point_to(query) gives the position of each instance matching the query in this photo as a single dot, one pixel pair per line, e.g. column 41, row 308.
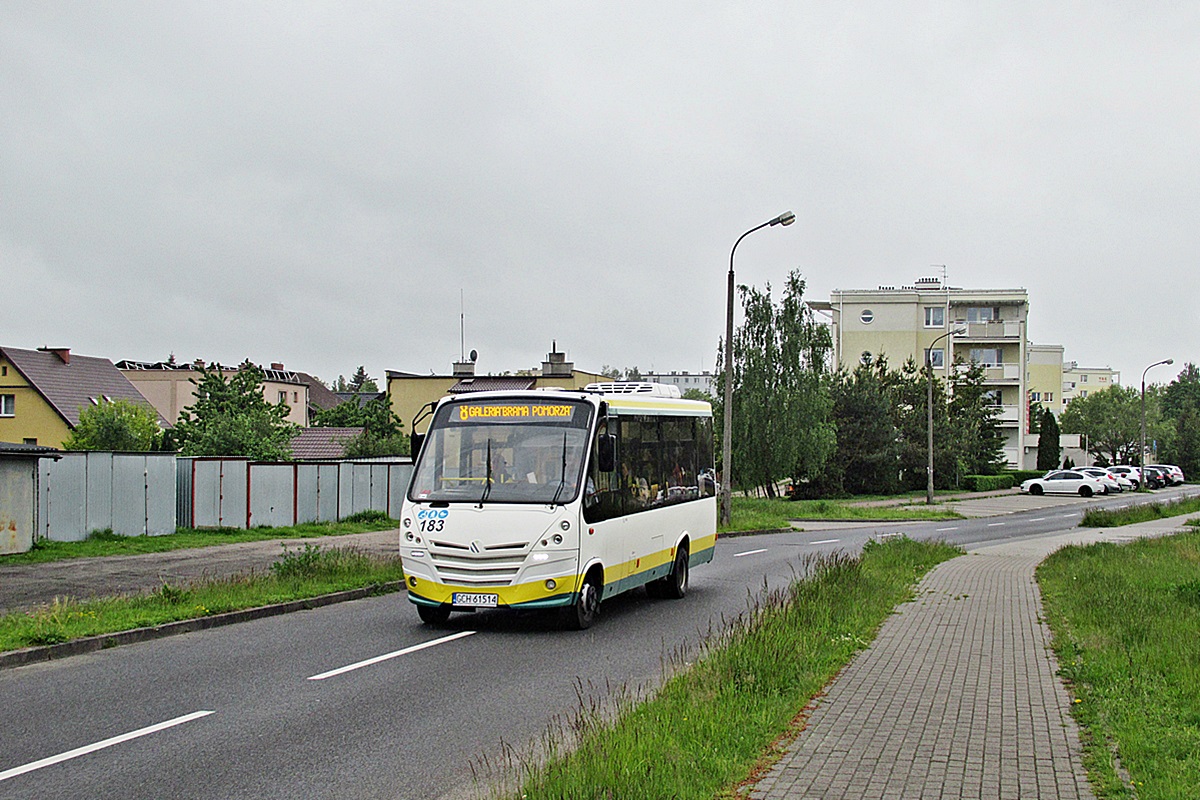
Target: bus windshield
column 511, row 450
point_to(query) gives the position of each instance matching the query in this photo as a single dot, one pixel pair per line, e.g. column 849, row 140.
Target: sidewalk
column 958, row 696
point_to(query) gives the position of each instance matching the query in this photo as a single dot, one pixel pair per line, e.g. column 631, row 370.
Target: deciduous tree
column 118, row 425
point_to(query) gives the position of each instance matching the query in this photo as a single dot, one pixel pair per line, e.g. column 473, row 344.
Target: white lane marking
column 386, row 656
column 943, row 530
column 91, row 748
column 750, row 552
column 889, row 535
column 1039, row 519
column 826, row 541
column 1076, row 514
column 996, row 524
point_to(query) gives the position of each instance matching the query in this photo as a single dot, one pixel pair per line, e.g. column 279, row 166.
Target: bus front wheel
column 583, row 612
column 434, row 615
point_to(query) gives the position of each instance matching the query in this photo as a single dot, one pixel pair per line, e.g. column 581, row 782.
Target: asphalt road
column 261, row 710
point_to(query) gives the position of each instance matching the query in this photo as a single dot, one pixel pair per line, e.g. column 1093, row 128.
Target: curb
column 103, row 641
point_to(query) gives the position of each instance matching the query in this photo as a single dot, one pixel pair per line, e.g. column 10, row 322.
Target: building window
column 991, row 398
column 4, row 371
column 8, row 405
column 1035, row 397
column 983, row 314
column 1103, row 379
column 1083, row 378
column 1083, row 392
column 282, row 398
column 1049, row 397
column 987, row 356
column 867, row 316
column 31, row 441
column 295, row 397
column 935, row 317
column 937, row 357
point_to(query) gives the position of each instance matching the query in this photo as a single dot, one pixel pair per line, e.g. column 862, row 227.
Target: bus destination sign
column 512, row 412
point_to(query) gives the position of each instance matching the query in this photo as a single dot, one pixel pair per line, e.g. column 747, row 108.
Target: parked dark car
column 1155, row 478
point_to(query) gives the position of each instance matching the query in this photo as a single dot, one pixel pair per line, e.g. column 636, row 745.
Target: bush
column 1019, row 476
column 987, row 483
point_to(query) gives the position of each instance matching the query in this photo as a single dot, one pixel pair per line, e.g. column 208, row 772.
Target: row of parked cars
column 1088, row 481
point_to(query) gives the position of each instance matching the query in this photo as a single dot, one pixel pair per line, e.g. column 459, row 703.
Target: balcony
column 990, row 331
column 998, row 373
column 1009, row 415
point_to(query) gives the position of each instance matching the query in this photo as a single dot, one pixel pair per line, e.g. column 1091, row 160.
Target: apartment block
column 1081, row 381
column 1044, row 374
column 986, row 326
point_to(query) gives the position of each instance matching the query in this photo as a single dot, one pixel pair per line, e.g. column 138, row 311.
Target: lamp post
column 929, row 409
column 1142, row 453
column 786, row 218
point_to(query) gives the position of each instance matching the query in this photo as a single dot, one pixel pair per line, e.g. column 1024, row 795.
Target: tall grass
column 1126, row 625
column 296, row 575
column 707, row 729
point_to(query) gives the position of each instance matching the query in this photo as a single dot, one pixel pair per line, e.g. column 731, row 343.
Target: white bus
column 558, row 499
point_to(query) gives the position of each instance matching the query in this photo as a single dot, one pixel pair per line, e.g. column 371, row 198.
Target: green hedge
column 1019, row 476
column 987, row 483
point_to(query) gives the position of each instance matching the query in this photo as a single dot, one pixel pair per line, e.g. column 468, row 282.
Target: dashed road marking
column 386, row 656
column 750, row 552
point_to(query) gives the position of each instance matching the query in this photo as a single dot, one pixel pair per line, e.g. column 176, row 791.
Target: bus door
column 605, row 530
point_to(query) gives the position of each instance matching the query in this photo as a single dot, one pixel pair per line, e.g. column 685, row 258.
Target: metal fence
column 133, row 494
column 236, row 493
column 137, row 494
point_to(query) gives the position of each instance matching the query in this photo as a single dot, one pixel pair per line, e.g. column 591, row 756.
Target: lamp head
column 786, row 218
column 1169, row 361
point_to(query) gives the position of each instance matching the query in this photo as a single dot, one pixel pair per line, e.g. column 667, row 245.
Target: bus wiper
column 487, row 481
column 562, row 481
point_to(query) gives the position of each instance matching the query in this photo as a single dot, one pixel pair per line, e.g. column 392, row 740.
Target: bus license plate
column 475, row 600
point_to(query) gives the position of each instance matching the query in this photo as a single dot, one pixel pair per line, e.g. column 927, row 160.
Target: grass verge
column 1126, row 628
column 1101, row 518
column 298, row 574
column 757, row 514
column 707, row 729
column 107, row 543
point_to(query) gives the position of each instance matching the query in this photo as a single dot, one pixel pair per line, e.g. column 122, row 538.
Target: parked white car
column 1132, row 474
column 1064, row 481
column 1111, row 482
column 1175, row 472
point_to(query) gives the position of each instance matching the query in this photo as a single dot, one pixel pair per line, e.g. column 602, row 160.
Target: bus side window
column 602, row 498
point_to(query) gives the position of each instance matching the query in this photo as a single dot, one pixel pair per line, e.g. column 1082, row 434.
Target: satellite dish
column 474, row 356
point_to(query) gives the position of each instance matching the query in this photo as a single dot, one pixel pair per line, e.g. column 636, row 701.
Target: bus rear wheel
column 675, row 585
column 583, row 612
column 434, row 615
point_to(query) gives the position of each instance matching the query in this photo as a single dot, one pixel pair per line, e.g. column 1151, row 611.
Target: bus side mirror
column 607, row 452
column 415, row 440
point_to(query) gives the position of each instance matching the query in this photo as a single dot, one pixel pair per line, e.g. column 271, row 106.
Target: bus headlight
column 557, row 538
column 565, row 525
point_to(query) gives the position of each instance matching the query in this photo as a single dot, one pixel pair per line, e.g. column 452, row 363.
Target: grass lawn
column 756, row 514
column 1100, row 518
column 106, row 543
column 718, row 720
column 1126, row 625
column 298, row 574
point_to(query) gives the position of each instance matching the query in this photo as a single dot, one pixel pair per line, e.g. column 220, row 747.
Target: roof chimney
column 556, row 363
column 275, row 365
column 63, row 353
column 464, row 369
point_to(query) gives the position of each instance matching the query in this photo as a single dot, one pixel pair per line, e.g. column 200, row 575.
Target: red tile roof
column 321, row 443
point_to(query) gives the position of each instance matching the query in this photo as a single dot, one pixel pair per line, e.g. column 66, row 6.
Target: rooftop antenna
column 462, row 327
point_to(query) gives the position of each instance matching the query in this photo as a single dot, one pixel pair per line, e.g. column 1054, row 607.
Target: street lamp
column 929, row 409
column 1142, row 455
column 786, row 218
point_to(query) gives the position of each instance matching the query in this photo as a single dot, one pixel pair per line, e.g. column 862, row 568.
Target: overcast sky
column 324, row 184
